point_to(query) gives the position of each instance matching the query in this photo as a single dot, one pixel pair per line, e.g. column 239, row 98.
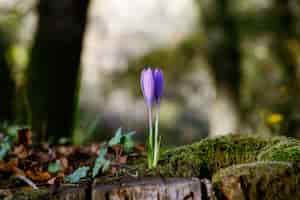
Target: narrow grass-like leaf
column 5, row 146
column 101, row 162
column 128, row 141
column 116, row 139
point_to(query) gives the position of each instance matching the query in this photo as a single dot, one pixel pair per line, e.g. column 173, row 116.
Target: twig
column 28, row 181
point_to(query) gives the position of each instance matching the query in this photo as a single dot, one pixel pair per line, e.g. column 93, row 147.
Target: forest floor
column 24, row 166
column 232, row 167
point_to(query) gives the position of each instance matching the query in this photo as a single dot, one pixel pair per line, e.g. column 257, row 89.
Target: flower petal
column 147, row 85
column 159, row 84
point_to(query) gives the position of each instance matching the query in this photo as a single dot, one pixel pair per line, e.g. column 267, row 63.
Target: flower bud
column 159, row 84
column 148, row 86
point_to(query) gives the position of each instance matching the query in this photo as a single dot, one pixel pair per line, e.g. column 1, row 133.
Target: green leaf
column 106, row 165
column 54, row 167
column 116, row 139
column 12, row 132
column 5, row 147
column 101, row 162
column 9, row 139
column 79, row 173
column 129, row 134
column 128, row 141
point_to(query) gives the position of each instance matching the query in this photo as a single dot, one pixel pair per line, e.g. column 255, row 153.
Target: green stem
column 150, row 139
column 156, row 143
column 150, row 126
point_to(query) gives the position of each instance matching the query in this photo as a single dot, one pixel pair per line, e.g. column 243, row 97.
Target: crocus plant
column 152, row 84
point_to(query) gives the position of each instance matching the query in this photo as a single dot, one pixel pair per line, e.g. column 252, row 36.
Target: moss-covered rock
column 205, row 157
column 259, row 180
column 287, row 150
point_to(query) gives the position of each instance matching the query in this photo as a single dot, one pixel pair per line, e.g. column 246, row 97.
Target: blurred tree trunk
column 224, row 58
column 7, row 83
column 285, row 35
column 54, row 68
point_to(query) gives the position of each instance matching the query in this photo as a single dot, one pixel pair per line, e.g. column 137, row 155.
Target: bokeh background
column 70, row 69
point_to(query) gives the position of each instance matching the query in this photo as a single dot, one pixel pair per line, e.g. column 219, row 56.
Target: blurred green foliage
column 269, row 46
column 266, row 35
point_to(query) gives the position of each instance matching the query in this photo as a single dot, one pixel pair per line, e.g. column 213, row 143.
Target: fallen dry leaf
column 26, row 188
column 51, row 181
column 64, row 163
column 10, row 166
column 43, row 157
column 5, row 192
column 113, row 170
column 30, row 163
column 38, row 175
column 65, row 150
column 21, row 151
column 57, row 179
column 25, row 137
column 122, row 159
column 139, row 148
column 118, row 150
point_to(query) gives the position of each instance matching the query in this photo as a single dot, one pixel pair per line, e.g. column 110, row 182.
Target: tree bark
column 150, row 189
column 258, row 180
column 7, row 83
column 54, row 68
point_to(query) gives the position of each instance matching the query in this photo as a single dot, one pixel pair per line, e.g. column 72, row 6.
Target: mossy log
column 207, row 156
column 149, row 189
column 259, row 180
column 286, row 150
column 254, row 158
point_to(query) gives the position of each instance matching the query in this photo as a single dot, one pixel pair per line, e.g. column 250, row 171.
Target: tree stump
column 74, row 193
column 149, row 189
column 271, row 180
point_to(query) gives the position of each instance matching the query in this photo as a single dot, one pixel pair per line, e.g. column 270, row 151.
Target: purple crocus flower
column 159, row 84
column 148, row 86
column 152, row 84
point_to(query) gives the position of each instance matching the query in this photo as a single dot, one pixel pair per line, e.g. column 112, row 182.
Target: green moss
column 205, row 157
column 263, row 180
column 287, row 150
